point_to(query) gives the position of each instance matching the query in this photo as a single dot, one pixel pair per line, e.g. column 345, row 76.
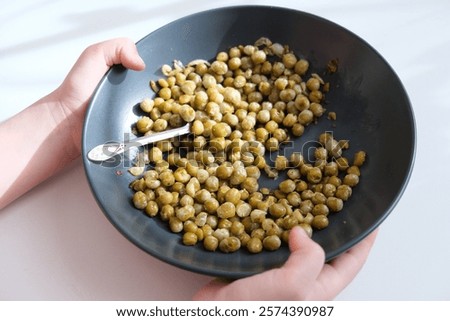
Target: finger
column 305, row 253
column 258, row 287
column 92, row 65
column 213, row 290
column 290, row 282
column 357, row 255
column 122, row 51
column 337, row 274
column 98, row 58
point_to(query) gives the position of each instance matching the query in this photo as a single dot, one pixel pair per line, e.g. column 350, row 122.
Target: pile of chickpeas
column 251, row 100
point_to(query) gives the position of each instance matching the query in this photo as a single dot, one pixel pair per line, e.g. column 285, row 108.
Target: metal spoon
column 108, row 150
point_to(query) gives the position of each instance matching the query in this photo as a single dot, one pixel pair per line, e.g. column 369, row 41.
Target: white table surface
column 56, row 244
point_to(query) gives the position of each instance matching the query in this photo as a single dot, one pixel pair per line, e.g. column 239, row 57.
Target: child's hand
column 304, row 276
column 76, row 90
column 57, row 120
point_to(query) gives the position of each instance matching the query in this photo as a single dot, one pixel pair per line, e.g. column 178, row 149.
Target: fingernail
column 141, row 61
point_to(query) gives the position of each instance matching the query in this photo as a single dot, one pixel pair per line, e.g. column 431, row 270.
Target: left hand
column 75, row 92
column 57, row 120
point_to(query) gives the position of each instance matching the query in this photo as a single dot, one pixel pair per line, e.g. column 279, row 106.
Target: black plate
column 373, row 111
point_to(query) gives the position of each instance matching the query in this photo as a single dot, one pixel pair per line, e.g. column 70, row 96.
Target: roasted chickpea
column 314, row 175
column 335, row 204
column 230, row 244
column 140, row 200
column 210, row 243
column 272, row 242
column 343, row 192
column 320, row 222
column 226, row 210
column 254, row 245
column 277, row 210
column 287, row 186
column 351, row 180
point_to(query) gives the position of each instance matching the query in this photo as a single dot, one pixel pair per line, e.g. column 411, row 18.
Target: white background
column 55, row 243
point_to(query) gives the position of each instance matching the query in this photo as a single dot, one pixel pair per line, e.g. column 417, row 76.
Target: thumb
column 96, row 59
column 293, row 280
column 92, row 65
column 74, row 93
column 121, row 51
column 307, row 257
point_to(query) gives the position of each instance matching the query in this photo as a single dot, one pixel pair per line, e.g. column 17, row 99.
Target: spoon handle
column 105, row 151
